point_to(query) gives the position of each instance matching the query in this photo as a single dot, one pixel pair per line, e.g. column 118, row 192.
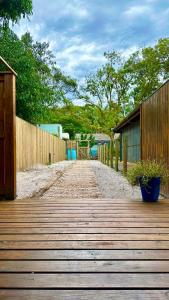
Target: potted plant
column 150, row 175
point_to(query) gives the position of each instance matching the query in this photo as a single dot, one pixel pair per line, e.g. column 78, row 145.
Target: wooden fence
column 109, row 154
column 155, row 128
column 35, row 146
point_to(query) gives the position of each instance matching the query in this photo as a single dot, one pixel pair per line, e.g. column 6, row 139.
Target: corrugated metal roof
column 98, row 136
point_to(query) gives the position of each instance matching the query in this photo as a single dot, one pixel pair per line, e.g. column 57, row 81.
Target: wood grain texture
column 154, row 127
column 33, row 146
column 8, row 136
column 89, row 280
column 84, row 294
column 99, row 247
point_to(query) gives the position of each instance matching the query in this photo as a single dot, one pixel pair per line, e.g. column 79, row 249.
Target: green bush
column 147, row 170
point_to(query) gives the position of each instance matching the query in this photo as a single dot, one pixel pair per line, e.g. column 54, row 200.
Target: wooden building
column 147, row 128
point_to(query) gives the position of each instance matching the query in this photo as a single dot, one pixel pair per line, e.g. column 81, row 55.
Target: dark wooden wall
column 155, row 127
column 7, row 136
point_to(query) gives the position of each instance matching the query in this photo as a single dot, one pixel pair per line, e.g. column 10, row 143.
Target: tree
column 14, row 10
column 65, row 86
column 148, row 68
column 121, row 84
column 35, row 64
column 34, row 93
column 107, row 92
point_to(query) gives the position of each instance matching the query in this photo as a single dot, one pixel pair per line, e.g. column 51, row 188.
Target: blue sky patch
column 80, row 31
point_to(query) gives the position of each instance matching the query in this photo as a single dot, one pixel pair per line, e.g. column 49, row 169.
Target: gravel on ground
column 30, row 182
column 80, row 179
column 113, row 184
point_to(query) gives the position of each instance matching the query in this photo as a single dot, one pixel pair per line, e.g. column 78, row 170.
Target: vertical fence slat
column 34, row 145
column 117, row 155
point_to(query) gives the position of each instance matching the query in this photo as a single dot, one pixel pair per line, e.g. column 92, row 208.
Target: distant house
column 55, row 129
column 100, row 138
column 147, row 128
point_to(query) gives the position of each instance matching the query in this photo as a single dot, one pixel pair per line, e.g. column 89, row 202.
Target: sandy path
column 91, row 179
column 79, row 181
column 33, row 181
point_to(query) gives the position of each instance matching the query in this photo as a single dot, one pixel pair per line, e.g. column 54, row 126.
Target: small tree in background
column 84, row 140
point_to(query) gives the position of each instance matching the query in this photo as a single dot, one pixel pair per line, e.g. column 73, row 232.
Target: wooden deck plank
column 84, row 294
column 83, row 224
column 70, row 219
column 83, row 266
column 108, row 280
column 80, row 230
column 84, row 254
column 84, row 244
column 85, row 237
column 102, row 215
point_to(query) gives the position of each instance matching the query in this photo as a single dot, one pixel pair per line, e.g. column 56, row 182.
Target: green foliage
column 33, row 92
column 107, row 92
column 45, row 94
column 14, row 10
column 147, row 170
column 148, row 69
column 35, row 66
column 74, row 119
column 121, row 84
column 85, row 138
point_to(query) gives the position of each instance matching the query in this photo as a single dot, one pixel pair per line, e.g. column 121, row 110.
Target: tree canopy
column 37, row 88
column 46, row 94
column 14, row 10
column 122, row 83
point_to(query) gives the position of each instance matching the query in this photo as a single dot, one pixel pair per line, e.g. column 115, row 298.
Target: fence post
column 102, row 153
column 104, row 147
column 125, row 156
column 105, row 160
column 99, row 152
column 88, row 150
column 77, row 150
column 70, row 150
column 50, row 158
column 108, row 154
column 117, row 155
column 111, row 153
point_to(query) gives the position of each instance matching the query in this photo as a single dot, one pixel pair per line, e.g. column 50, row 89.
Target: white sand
column 112, row 184
column 32, row 181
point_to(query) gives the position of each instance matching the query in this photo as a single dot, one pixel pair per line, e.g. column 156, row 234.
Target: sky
column 80, row 31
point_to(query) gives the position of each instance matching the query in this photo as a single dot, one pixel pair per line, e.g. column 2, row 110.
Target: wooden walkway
column 84, row 249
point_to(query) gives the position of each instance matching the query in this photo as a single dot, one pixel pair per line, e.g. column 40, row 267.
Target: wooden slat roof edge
column 7, row 65
column 136, row 111
column 132, row 115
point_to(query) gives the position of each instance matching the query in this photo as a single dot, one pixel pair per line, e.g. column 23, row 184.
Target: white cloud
column 80, row 31
column 79, row 53
column 137, row 10
column 76, row 9
column 151, row 1
column 24, row 26
column 127, row 52
column 57, row 9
